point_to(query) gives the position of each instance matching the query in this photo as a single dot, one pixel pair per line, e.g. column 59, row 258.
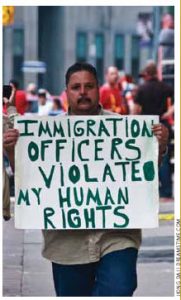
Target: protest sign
column 86, row 172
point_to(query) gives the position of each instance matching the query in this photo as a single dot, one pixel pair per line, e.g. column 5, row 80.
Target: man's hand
column 11, row 100
column 161, row 132
column 10, row 138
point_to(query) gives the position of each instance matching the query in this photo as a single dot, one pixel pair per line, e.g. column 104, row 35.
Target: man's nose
column 82, row 90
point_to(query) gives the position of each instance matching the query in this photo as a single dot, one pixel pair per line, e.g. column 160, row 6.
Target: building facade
column 61, row 35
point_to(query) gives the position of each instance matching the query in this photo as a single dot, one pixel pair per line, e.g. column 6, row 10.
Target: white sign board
column 90, row 172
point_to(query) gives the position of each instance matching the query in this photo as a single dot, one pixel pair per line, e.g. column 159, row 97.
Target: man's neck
column 86, row 113
column 112, row 85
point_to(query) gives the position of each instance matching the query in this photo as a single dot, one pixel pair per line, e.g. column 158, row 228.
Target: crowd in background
column 152, row 95
column 118, row 94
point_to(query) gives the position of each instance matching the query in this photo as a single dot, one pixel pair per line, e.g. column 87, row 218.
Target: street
column 26, row 273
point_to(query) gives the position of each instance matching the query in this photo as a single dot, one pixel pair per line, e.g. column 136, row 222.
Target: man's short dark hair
column 80, row 66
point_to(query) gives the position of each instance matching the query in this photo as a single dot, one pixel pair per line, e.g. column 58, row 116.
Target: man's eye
column 75, row 87
column 90, row 86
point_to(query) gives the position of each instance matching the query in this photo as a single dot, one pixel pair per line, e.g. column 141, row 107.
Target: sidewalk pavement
column 27, row 273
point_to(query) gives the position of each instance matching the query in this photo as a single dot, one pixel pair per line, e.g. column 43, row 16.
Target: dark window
column 119, row 51
column 99, row 42
column 81, row 47
column 18, row 54
column 135, row 52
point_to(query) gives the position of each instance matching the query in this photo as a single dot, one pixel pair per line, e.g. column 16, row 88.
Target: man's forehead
column 82, row 76
column 112, row 70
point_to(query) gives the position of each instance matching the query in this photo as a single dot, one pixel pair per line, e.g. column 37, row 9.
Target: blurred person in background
column 56, row 108
column 21, row 102
column 45, row 103
column 110, row 93
column 8, row 156
column 166, row 50
column 128, row 87
column 32, row 98
column 155, row 97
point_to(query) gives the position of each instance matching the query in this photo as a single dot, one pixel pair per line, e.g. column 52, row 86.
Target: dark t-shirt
column 152, row 96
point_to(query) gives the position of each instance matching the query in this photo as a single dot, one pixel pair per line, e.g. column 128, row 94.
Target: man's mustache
column 83, row 99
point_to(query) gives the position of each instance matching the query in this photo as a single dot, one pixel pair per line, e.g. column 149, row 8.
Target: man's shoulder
column 149, row 84
column 142, row 86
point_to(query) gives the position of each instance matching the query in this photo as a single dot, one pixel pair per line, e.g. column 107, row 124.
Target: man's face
column 83, row 93
column 112, row 75
column 42, row 99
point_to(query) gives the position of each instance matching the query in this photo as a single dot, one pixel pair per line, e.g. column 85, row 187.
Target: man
column 8, row 120
column 110, row 93
column 21, row 102
column 153, row 97
column 91, row 262
column 32, row 98
column 44, row 104
column 166, row 50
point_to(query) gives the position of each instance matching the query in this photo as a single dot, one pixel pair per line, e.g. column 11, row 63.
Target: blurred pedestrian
column 153, row 94
column 128, row 88
column 110, row 93
column 166, row 50
column 32, row 98
column 8, row 152
column 152, row 98
column 44, row 103
column 56, row 108
column 21, row 102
